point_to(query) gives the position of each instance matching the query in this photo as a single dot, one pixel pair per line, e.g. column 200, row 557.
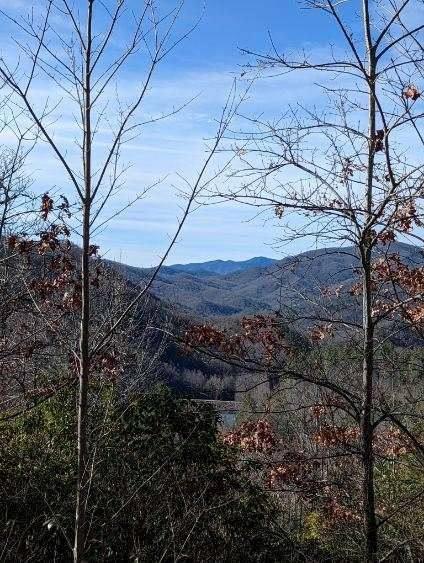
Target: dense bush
column 163, row 486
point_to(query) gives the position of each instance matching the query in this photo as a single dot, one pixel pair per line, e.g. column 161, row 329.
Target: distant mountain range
column 226, row 288
column 222, row 267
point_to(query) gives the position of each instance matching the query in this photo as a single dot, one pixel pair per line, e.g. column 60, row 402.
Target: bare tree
column 350, row 174
column 86, row 65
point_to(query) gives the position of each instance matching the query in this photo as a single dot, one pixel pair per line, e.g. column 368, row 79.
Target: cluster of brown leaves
column 320, row 332
column 259, row 332
column 403, row 220
column 337, row 512
column 45, row 287
column 391, row 269
column 59, row 268
column 207, row 336
column 296, row 470
column 332, row 435
column 390, row 442
column 46, row 206
column 411, row 92
column 415, row 314
column 378, row 140
column 356, row 288
column 71, row 300
column 107, row 365
column 305, row 477
column 253, row 437
column 349, row 167
column 19, row 244
column 60, row 276
column 318, row 477
column 386, row 236
column 65, row 281
column 406, row 217
column 49, row 240
column 265, row 331
column 400, row 289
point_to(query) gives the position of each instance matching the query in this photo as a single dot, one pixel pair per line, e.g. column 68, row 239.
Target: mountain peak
column 223, row 267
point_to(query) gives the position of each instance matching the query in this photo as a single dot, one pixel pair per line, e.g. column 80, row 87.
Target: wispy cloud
column 164, row 149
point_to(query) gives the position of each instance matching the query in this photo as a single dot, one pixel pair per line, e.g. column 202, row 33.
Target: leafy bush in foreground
column 163, row 487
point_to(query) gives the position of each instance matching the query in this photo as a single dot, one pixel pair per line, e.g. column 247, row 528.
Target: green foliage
column 163, row 486
column 313, row 528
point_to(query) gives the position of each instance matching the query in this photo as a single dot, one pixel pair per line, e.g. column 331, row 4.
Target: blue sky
column 203, row 65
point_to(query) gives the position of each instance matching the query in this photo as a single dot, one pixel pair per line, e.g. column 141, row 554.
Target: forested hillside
column 293, row 282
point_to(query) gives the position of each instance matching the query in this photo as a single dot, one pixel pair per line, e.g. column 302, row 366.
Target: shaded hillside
column 289, row 283
column 160, row 358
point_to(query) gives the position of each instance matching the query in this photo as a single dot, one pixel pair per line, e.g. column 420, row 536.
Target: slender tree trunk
column 82, row 485
column 84, row 374
column 367, row 430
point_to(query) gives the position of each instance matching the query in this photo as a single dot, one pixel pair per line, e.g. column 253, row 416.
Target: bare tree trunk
column 82, row 473
column 81, row 496
column 370, row 522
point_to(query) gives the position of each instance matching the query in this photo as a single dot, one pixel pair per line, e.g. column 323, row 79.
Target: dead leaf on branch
column 46, row 206
column 378, row 139
column 411, row 92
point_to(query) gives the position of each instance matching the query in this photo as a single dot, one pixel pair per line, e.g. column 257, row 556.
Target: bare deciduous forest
column 212, row 411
